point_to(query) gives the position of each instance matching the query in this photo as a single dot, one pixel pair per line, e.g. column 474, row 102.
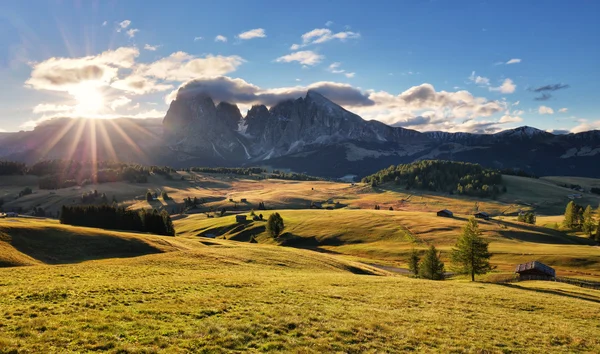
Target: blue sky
column 425, row 65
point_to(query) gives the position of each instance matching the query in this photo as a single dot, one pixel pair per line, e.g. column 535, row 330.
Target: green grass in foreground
column 242, row 297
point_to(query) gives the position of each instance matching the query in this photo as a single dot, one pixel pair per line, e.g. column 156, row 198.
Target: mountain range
column 310, row 134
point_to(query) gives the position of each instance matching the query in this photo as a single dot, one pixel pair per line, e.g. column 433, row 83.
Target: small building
column 445, row 213
column 535, row 271
column 243, row 200
column 240, row 218
column 482, row 215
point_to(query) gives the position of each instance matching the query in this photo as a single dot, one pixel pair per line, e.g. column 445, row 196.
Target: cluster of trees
column 247, row 171
column 8, row 168
column 294, row 176
column 579, row 218
column 527, row 217
column 110, row 217
column 55, row 174
column 469, row 256
column 93, row 196
column 442, row 176
column 25, row 191
column 275, row 225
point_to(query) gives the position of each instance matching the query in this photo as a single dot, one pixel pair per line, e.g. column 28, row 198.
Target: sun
column 89, row 99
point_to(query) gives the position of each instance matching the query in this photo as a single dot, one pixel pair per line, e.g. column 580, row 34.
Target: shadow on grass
column 531, row 233
column 555, row 292
column 53, row 246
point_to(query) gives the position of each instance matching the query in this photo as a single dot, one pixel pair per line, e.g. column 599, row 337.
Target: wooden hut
column 535, row 271
column 482, row 215
column 445, row 213
column 240, row 218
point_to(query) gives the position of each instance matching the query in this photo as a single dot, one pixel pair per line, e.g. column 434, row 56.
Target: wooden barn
column 535, row 271
column 445, row 213
column 240, row 218
column 482, row 215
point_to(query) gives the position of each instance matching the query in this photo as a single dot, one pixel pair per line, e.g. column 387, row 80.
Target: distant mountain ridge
column 310, row 134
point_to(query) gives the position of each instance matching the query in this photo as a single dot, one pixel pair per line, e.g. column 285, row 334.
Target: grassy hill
column 29, row 241
column 202, row 295
column 389, row 236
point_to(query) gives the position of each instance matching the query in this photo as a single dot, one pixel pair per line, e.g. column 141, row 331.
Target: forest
column 442, row 176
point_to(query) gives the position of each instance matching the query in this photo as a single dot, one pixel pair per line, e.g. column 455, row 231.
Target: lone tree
column 588, row 222
column 413, row 262
column 470, row 255
column 570, row 215
column 149, row 197
column 275, row 225
column 431, row 267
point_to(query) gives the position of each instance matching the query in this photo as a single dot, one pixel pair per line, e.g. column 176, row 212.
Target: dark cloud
column 543, row 97
column 413, row 122
column 554, row 87
column 65, row 76
column 559, row 132
column 225, row 89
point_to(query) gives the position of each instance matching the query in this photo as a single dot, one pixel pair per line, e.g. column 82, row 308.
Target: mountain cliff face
column 314, row 135
column 310, row 134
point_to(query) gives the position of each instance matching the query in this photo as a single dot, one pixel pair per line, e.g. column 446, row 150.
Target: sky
column 472, row 66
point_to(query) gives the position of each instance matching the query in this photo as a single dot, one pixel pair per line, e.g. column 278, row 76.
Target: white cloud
column 181, row 66
column 322, row 35
column 298, row 80
column 545, row 110
column 508, row 118
column 51, row 107
column 306, row 57
column 220, row 38
column 563, row 110
column 329, row 23
column 584, row 126
column 507, row 87
column 479, row 80
column 104, row 23
column 516, row 103
column 151, row 48
column 131, row 32
column 336, row 69
column 513, row 61
column 253, row 33
column 198, row 38
column 119, row 102
column 66, row 74
column 139, row 85
column 122, row 25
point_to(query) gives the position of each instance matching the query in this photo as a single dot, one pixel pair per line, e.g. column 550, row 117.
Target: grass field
column 74, row 289
column 225, row 296
column 389, row 236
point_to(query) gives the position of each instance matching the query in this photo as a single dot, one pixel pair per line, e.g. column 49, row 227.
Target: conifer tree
column 570, row 215
column 413, row 262
column 275, row 225
column 470, row 255
column 587, row 225
column 431, row 266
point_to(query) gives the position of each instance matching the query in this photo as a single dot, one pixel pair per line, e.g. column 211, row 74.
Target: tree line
column 585, row 219
column 442, row 176
column 118, row 218
column 247, row 171
column 55, row 174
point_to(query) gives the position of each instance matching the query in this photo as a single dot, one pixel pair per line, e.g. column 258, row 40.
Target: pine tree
column 587, row 225
column 570, row 216
column 275, row 225
column 431, row 267
column 470, row 255
column 413, row 262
